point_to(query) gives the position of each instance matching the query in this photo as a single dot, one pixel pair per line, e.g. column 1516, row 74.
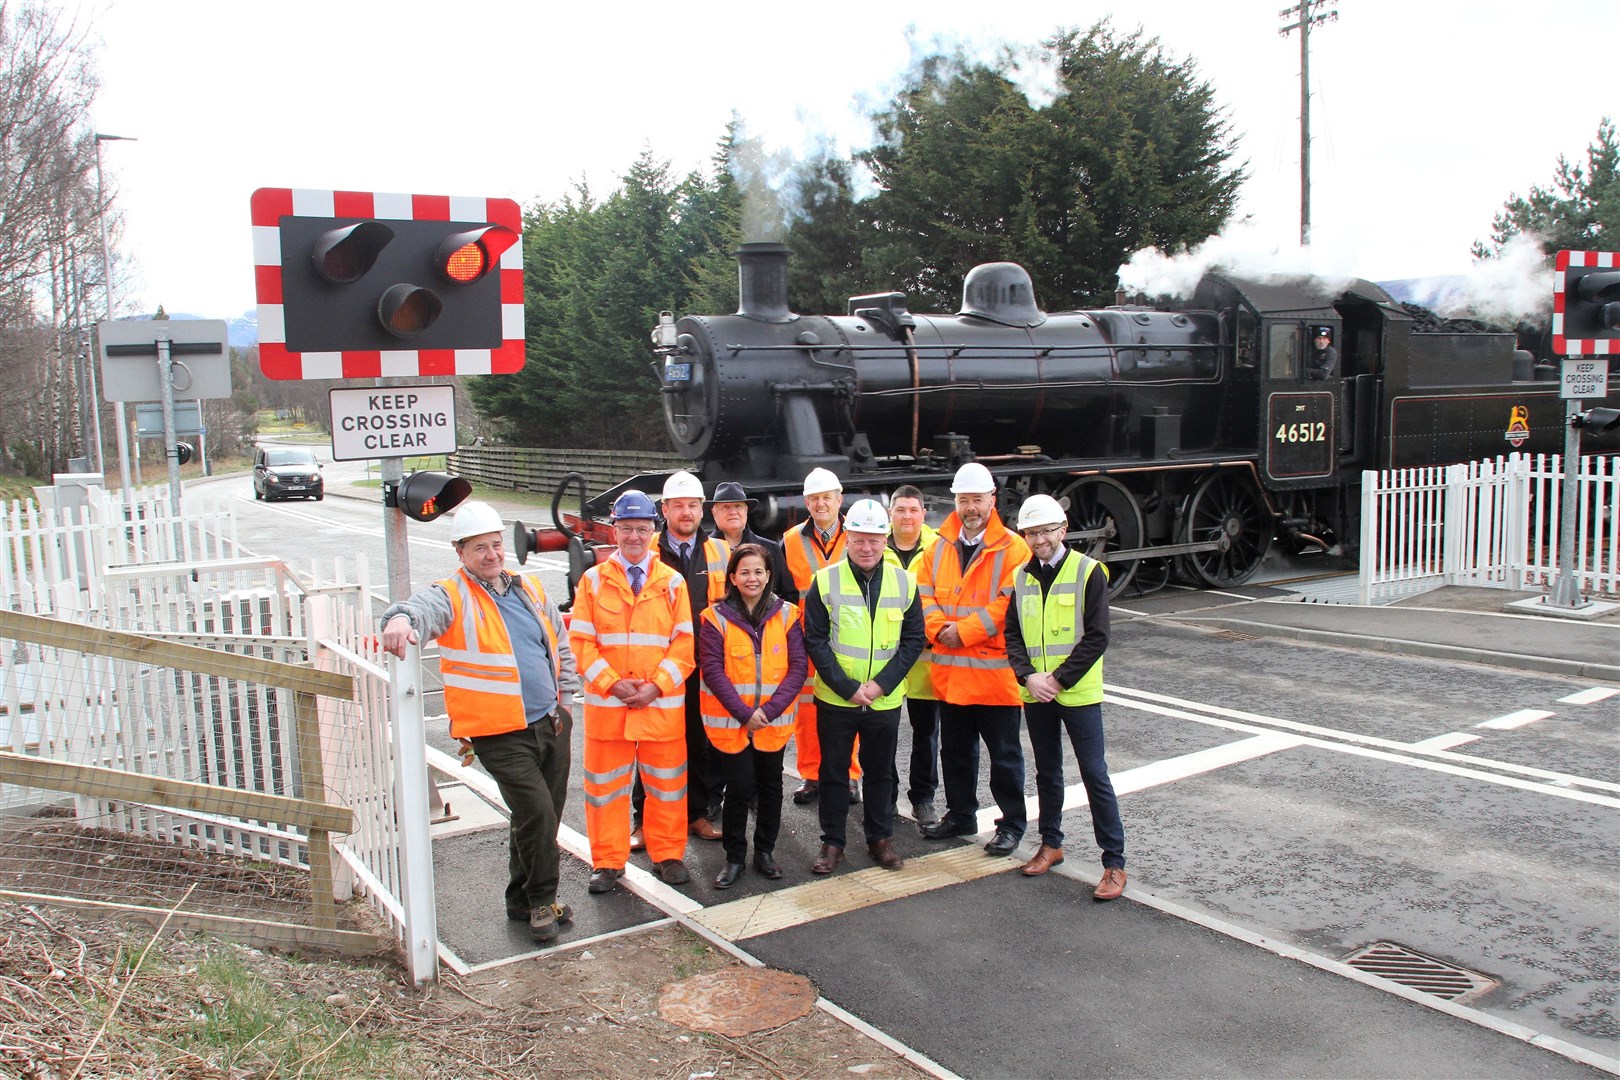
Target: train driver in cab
column 1324, row 361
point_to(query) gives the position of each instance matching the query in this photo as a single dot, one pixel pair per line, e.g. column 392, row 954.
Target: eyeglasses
column 635, row 530
column 1050, row 530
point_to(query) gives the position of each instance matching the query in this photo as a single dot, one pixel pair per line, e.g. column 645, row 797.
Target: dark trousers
column 879, row 731
column 923, row 713
column 531, row 769
column 698, row 769
column 1047, row 722
column 749, row 773
column 961, row 728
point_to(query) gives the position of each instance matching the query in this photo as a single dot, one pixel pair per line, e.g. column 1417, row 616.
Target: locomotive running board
column 1126, row 554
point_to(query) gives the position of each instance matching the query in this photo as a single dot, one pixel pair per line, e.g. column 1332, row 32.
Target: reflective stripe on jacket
column 975, row 600
column 920, row 679
column 1053, row 624
column 755, row 674
column 863, row 644
column 618, row 634
column 483, row 689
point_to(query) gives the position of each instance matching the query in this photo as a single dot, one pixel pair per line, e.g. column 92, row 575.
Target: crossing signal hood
column 1597, row 421
column 183, row 452
column 361, row 285
column 1586, row 303
column 425, row 496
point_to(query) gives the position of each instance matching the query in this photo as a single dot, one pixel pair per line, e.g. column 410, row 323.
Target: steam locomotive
column 1181, row 442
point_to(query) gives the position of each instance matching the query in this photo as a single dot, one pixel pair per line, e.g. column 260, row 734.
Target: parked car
column 282, row 472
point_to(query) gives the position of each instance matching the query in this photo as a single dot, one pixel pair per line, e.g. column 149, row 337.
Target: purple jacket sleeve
column 793, row 681
column 712, row 664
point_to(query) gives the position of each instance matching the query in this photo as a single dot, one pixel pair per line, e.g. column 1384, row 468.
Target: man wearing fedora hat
column 729, row 508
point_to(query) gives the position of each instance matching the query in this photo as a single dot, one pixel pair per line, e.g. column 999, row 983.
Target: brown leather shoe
column 638, row 842
column 884, row 855
column 1045, row 858
column 1111, row 885
column 704, row 829
column 831, row 855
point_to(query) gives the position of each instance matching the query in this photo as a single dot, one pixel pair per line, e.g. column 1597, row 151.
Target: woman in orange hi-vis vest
column 632, row 637
column 751, row 651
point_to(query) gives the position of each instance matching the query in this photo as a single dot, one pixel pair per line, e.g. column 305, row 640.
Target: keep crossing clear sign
column 1585, row 377
column 393, row 421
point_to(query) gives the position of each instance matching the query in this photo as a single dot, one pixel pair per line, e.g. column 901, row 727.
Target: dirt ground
column 84, row 996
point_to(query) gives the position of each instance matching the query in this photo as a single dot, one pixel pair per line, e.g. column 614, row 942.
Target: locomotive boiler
column 1180, row 441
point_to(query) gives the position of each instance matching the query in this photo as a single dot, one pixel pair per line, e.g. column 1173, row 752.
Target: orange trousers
column 608, row 765
column 809, row 748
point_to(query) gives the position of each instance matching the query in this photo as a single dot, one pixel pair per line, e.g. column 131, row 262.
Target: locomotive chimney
column 762, row 283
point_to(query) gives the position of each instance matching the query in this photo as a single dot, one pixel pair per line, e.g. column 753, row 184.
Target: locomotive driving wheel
column 1225, row 504
column 1107, row 514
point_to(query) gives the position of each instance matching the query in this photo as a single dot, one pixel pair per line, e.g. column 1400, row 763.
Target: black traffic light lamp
column 1596, row 421
column 425, row 496
column 183, row 452
column 364, row 285
column 1590, row 297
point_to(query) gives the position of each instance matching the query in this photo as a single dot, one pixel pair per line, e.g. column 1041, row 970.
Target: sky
column 1425, row 116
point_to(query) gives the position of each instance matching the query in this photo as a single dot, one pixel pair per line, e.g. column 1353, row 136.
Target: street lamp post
column 107, row 275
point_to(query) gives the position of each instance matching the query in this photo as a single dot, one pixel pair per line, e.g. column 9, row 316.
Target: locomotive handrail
column 959, row 347
column 556, row 502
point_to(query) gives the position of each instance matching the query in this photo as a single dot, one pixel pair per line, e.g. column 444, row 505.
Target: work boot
column 604, row 879
column 673, row 872
column 806, row 793
column 544, row 921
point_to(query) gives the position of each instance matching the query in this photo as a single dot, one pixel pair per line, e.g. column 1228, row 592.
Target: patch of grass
column 17, row 487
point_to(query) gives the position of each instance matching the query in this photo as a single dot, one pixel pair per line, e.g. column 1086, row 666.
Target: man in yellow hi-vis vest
column 1057, row 631
column 863, row 627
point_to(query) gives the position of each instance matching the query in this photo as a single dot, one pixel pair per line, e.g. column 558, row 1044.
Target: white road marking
column 1592, row 696
column 1516, row 719
column 1446, row 741
column 1349, row 746
column 1124, row 695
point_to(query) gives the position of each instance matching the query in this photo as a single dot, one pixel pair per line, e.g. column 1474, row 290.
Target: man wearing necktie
column 700, row 560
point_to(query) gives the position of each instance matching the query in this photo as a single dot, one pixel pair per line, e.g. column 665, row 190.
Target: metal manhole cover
column 737, row 1001
column 1399, row 964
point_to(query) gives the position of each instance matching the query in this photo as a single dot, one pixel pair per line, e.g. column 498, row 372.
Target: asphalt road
column 1285, row 805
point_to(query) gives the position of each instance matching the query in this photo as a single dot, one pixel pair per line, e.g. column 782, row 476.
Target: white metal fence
column 135, row 566
column 1492, row 523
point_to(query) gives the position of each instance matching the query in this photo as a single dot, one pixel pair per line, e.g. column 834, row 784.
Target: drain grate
column 1400, row 964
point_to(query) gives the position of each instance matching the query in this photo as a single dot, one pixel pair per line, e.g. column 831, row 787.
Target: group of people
column 823, row 639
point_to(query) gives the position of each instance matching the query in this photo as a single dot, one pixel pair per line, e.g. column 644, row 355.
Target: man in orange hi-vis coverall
column 633, row 641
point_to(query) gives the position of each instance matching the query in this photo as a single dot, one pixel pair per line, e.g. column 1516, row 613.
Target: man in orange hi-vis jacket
column 966, row 581
column 806, row 548
column 633, row 639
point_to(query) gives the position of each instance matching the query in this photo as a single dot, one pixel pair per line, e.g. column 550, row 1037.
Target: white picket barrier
column 1492, row 523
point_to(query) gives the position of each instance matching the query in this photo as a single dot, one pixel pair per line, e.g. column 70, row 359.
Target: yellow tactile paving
column 849, row 891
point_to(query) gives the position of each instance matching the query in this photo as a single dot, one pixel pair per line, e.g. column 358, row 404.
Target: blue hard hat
column 634, row 505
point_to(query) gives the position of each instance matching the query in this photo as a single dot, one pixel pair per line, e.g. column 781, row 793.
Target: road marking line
column 1403, row 758
column 1446, row 741
column 1589, row 697
column 1516, row 719
column 1179, row 768
column 1563, row 779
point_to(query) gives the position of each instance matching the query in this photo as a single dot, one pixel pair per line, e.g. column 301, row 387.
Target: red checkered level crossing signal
column 1586, row 303
column 359, row 284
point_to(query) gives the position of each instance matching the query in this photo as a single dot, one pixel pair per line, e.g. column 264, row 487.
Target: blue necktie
column 686, row 555
column 635, row 580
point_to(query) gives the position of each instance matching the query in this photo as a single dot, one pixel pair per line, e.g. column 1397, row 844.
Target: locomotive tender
column 1183, row 440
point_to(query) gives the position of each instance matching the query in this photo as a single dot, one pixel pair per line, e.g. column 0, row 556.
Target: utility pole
column 107, row 273
column 1305, row 14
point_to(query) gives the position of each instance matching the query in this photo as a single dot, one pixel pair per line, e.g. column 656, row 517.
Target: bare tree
column 49, row 245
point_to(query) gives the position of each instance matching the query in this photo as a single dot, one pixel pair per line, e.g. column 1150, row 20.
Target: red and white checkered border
column 1603, row 260
column 270, row 205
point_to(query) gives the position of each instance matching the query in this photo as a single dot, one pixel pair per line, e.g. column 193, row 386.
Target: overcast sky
column 1425, row 116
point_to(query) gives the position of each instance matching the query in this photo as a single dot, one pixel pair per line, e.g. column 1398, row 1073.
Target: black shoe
column 923, row 811
column 767, row 866
column 945, row 828
column 674, row 872
column 1002, row 843
column 854, row 792
column 604, row 879
column 728, row 876
column 806, row 793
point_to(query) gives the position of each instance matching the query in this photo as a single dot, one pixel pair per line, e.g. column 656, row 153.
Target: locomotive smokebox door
column 1301, row 436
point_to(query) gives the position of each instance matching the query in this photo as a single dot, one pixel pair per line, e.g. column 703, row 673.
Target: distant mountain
column 242, row 332
column 1442, row 292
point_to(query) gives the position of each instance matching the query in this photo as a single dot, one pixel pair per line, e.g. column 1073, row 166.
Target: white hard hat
column 867, row 516
column 1038, row 510
column 822, row 480
column 682, row 485
column 474, row 519
column 972, row 479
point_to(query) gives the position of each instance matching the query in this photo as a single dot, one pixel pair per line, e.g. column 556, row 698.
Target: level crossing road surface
column 1288, row 799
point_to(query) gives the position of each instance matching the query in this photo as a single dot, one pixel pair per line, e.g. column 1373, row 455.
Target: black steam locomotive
column 1183, row 441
